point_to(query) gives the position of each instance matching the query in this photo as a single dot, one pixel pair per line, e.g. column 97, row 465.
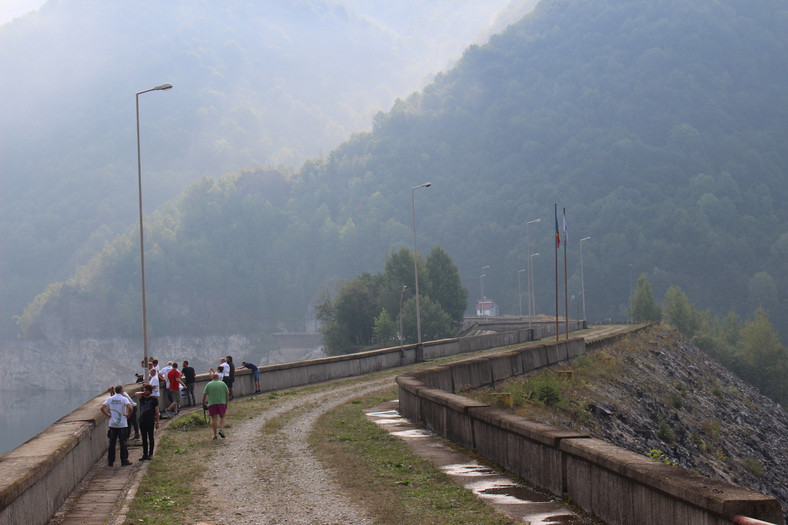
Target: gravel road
column 258, row 468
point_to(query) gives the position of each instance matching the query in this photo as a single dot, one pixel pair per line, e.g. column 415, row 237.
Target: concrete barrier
column 39, row 475
column 618, row 486
column 528, row 449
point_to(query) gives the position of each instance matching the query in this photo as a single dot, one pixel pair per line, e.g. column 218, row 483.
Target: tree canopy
column 358, row 317
column 660, row 127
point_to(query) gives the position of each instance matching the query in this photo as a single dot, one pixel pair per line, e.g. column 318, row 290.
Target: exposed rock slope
column 656, row 391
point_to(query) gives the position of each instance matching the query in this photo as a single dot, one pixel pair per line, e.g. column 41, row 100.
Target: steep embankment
column 654, row 391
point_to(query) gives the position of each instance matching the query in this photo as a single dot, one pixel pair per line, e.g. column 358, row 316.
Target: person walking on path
column 149, row 419
column 217, row 395
column 189, row 378
column 255, row 375
column 117, row 408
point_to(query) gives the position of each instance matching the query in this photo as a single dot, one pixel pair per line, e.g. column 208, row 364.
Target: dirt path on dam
column 266, row 472
column 275, row 477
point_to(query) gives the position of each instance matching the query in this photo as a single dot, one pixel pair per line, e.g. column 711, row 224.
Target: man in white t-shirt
column 117, row 408
column 223, row 369
column 154, row 381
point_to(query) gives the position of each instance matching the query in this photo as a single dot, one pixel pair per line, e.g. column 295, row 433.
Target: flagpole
column 557, row 244
column 566, row 292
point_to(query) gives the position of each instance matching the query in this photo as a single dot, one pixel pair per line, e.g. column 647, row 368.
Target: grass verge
column 172, row 490
column 168, row 493
column 383, row 475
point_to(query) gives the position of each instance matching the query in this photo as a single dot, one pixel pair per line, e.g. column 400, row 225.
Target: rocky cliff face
column 655, row 391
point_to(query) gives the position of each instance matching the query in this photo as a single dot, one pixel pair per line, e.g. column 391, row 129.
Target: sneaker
column 214, row 438
column 221, row 433
column 125, row 463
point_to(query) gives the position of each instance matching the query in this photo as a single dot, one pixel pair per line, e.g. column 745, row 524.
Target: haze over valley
column 282, row 161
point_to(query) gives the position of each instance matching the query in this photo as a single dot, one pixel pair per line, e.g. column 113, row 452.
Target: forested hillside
column 660, row 127
column 262, row 83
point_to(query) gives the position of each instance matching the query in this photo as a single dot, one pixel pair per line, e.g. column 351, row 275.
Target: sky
column 10, row 9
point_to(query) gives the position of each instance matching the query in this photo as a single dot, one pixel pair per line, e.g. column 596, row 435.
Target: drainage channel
column 513, row 498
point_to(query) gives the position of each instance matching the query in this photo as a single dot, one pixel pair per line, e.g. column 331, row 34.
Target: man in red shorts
column 217, row 395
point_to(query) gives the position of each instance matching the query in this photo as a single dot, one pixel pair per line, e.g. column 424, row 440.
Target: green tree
column 644, row 308
column 680, row 313
column 445, row 287
column 399, row 268
column 384, row 330
column 336, row 340
column 763, row 357
column 348, row 322
column 355, row 308
column 435, row 322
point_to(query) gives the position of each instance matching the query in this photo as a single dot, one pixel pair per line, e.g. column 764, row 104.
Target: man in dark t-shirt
column 149, row 418
column 229, row 379
column 189, row 378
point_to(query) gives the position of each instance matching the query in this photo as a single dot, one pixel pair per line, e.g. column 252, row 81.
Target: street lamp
column 162, row 87
column 401, row 296
column 482, row 275
column 631, row 314
column 533, row 301
column 415, row 263
column 582, row 280
column 528, row 256
column 519, row 292
column 481, row 281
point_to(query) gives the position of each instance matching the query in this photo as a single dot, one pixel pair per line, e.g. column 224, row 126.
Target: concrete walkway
column 506, row 494
column 103, row 496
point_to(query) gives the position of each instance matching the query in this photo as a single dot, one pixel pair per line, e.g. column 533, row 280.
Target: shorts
column 217, row 410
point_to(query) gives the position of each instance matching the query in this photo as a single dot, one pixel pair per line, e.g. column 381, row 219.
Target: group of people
column 143, row 415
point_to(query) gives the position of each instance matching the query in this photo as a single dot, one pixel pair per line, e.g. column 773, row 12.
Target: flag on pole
column 557, row 233
column 566, row 236
column 566, row 288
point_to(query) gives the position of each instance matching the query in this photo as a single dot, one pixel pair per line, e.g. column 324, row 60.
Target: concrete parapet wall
column 528, row 449
column 39, row 475
column 618, row 486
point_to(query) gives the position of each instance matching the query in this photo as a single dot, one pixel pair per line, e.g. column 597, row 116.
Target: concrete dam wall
column 619, row 486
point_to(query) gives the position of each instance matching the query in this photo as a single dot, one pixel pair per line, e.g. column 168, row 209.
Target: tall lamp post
column 162, row 87
column 415, row 263
column 582, row 280
column 519, row 292
column 631, row 313
column 482, row 275
column 528, row 255
column 401, row 296
column 531, row 282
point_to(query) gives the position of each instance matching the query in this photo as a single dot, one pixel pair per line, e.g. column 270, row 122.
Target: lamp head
column 163, row 87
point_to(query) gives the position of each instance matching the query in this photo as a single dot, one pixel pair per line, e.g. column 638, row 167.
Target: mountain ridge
column 669, row 179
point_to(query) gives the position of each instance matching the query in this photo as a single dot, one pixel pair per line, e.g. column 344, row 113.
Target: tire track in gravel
column 265, row 477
